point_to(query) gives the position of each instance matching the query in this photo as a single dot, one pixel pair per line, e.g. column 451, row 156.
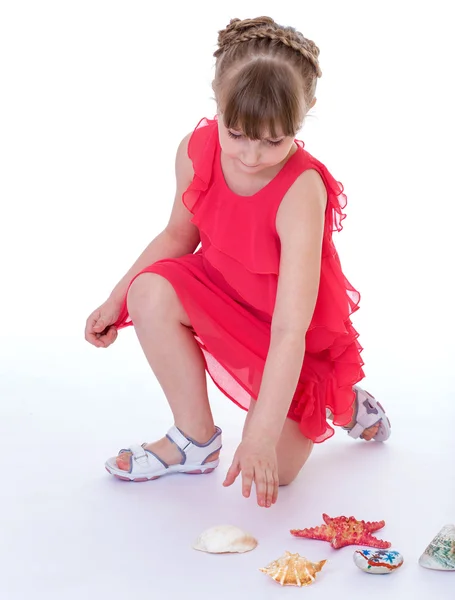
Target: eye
column 234, row 136
column 272, row 143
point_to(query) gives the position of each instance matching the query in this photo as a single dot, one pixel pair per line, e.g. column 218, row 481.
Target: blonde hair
column 265, row 76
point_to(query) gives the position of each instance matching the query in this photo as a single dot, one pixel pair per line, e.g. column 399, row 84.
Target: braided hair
column 265, row 76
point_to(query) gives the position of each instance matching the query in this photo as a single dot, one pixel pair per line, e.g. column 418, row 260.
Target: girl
column 263, row 304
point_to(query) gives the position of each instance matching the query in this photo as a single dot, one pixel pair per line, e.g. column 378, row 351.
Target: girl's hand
column 257, row 461
column 99, row 329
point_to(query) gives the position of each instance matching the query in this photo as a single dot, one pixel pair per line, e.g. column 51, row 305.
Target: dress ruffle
column 200, row 151
column 229, row 288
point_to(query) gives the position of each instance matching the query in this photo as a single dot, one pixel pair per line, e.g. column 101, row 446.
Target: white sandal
column 146, row 465
column 369, row 413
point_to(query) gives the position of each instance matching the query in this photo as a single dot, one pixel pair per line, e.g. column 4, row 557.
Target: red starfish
column 344, row 531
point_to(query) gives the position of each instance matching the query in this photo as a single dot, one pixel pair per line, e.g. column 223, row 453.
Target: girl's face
column 253, row 156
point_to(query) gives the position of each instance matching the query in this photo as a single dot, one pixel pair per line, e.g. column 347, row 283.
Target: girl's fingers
column 99, row 342
column 99, row 330
column 99, row 325
column 110, row 336
column 275, row 488
column 89, row 327
column 232, row 474
column 247, row 480
column 270, row 489
column 266, row 486
column 265, row 480
column 260, row 479
column 102, row 340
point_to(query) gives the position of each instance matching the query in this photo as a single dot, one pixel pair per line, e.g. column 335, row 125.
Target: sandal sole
column 382, row 408
column 142, row 479
column 198, row 472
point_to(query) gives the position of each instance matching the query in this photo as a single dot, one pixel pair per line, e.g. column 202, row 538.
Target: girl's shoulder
column 201, row 146
column 204, row 135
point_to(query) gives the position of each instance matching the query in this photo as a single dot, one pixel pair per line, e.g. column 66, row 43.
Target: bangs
column 263, row 100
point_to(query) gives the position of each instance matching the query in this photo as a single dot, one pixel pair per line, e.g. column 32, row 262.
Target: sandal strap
column 192, row 451
column 138, row 452
column 356, row 431
column 176, row 436
column 144, row 460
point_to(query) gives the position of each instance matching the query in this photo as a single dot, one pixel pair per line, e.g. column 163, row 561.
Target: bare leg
column 294, row 449
column 162, row 327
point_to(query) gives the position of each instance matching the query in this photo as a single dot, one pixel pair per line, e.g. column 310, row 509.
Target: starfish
column 344, row 531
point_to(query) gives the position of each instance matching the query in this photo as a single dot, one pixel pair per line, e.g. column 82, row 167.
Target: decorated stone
column 378, row 562
column 440, row 553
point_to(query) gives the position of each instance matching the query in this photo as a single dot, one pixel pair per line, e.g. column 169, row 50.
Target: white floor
column 69, row 530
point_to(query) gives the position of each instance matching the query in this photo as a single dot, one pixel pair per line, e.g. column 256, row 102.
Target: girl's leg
column 163, row 329
column 294, row 449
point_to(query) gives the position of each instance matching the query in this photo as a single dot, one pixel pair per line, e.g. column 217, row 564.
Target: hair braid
column 265, row 77
column 239, row 31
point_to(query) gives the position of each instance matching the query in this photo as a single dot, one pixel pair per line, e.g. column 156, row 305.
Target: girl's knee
column 293, row 451
column 147, row 294
column 153, row 297
column 288, row 472
column 287, row 478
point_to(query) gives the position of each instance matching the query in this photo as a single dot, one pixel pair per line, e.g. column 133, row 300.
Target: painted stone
column 378, row 562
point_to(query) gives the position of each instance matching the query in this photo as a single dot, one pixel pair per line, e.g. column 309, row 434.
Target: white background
column 94, row 98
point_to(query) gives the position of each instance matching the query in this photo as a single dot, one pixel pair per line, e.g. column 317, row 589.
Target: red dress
column 228, row 289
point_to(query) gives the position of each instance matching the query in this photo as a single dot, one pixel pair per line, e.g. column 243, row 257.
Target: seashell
column 378, row 561
column 293, row 569
column 440, row 553
column 225, row 538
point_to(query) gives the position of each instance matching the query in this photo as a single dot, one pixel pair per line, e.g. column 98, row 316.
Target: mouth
column 249, row 166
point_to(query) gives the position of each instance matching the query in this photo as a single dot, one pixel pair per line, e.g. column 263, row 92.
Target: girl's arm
column 180, row 236
column 300, row 226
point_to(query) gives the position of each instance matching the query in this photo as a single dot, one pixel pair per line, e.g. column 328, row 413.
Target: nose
column 251, row 155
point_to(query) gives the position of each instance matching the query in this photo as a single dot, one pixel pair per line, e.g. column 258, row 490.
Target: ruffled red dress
column 228, row 289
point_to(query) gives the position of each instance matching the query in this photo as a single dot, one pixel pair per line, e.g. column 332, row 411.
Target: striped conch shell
column 293, row 569
column 440, row 553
